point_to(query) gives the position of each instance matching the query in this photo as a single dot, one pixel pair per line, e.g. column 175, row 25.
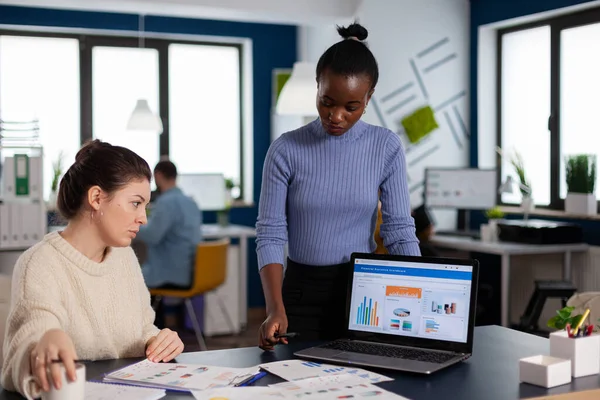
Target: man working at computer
column 171, row 235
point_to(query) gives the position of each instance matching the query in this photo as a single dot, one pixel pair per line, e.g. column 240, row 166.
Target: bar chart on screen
column 366, row 314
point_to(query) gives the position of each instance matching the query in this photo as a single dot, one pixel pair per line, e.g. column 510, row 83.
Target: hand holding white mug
column 69, row 390
column 54, row 345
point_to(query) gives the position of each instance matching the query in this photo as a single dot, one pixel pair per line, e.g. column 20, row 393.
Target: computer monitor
column 460, row 188
column 207, row 190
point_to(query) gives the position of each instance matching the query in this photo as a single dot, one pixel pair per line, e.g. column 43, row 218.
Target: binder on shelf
column 36, row 178
column 4, row 226
column 8, row 179
column 21, row 175
column 15, row 225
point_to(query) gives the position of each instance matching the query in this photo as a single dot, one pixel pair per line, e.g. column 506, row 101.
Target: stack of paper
column 294, row 370
column 183, row 377
column 330, row 387
column 107, row 391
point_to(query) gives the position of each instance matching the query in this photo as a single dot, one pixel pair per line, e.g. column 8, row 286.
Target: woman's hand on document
column 164, row 347
column 276, row 322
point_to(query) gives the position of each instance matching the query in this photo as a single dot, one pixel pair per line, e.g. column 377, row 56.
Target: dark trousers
column 315, row 300
column 161, row 310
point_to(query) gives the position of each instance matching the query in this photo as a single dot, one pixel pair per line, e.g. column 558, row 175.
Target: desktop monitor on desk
column 207, row 190
column 462, row 189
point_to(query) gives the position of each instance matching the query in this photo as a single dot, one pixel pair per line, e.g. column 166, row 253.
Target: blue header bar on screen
column 420, row 272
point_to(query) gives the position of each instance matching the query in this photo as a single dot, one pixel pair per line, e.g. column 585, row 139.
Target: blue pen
column 251, row 379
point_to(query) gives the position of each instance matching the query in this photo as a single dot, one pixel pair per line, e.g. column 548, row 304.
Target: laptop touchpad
column 354, row 357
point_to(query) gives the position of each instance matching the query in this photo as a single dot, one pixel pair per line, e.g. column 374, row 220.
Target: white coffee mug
column 68, row 390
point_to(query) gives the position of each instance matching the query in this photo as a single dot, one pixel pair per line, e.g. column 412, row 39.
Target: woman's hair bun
column 353, row 30
column 88, row 148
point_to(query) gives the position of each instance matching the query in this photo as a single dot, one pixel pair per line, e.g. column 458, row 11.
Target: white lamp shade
column 143, row 119
column 299, row 94
column 507, row 186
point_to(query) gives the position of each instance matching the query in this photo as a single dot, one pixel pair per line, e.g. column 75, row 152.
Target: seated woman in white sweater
column 79, row 293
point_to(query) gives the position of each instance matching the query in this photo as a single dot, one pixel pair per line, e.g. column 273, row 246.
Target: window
column 525, row 109
column 39, row 78
column 204, row 103
column 579, row 89
column 547, row 87
column 86, row 86
column 132, row 73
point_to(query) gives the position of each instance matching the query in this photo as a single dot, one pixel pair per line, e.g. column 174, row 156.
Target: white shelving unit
column 23, row 220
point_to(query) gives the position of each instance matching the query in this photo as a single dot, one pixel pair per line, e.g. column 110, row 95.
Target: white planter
column 489, row 232
column 486, row 233
column 580, row 203
column 584, row 352
column 527, row 204
column 545, row 371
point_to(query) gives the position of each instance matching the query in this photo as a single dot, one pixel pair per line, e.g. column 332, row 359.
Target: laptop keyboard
column 390, row 351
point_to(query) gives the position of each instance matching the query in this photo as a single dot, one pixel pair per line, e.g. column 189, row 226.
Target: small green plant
column 519, row 166
column 564, row 317
column 57, row 171
column 229, row 184
column 581, row 173
column 494, row 213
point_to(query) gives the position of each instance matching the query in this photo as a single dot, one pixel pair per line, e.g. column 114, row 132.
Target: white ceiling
column 297, row 12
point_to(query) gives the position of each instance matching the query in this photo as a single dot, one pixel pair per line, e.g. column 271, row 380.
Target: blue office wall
column 273, row 46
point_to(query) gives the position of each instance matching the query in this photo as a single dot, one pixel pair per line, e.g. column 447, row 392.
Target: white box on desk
column 545, row 371
column 584, row 352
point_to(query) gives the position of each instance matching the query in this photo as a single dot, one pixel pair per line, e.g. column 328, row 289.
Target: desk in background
column 235, row 289
column 506, row 250
column 492, row 373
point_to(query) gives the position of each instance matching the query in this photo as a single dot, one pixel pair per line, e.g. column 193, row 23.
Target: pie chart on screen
column 401, row 312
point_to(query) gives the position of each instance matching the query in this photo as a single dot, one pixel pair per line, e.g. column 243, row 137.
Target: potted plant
column 564, row 317
column 581, row 181
column 489, row 231
column 516, row 160
column 57, row 172
column 525, row 186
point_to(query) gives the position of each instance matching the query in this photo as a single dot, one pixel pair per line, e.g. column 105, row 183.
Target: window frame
column 89, row 40
column 556, row 24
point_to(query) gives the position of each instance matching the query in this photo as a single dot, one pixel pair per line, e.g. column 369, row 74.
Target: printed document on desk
column 294, row 370
column 331, row 387
column 241, row 393
column 345, row 386
column 182, row 377
column 109, row 391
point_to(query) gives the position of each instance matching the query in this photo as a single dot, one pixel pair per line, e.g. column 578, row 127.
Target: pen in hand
column 286, row 335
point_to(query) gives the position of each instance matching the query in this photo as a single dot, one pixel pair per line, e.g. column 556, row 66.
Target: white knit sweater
column 104, row 307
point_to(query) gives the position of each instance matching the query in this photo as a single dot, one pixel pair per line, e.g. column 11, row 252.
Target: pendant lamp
column 142, row 118
column 298, row 95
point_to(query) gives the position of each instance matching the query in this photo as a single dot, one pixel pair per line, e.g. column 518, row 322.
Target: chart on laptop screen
column 428, row 301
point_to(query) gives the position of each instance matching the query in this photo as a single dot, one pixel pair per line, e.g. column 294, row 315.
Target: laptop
column 405, row 313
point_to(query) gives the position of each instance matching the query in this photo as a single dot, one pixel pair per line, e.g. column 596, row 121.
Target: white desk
column 243, row 233
column 505, row 250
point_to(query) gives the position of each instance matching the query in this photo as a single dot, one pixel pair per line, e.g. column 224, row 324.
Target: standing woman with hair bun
column 80, row 293
column 319, row 194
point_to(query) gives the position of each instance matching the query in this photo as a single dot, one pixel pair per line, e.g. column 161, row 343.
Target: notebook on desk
column 406, row 313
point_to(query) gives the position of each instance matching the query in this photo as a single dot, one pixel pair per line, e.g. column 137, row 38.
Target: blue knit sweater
column 319, row 194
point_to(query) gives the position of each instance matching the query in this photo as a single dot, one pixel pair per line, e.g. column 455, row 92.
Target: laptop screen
column 422, row 300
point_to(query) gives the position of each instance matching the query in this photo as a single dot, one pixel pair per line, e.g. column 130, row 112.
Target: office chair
column 210, row 271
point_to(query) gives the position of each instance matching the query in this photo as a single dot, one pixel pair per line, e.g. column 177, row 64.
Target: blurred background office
column 495, row 142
